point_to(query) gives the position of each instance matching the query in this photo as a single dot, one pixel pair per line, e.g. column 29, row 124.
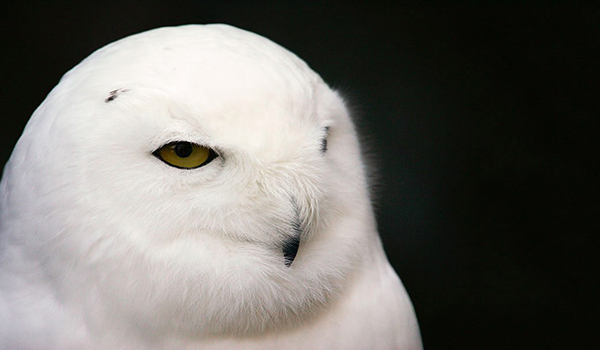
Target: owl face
column 199, row 179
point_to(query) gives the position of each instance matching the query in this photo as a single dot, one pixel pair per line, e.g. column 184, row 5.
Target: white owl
column 194, row 187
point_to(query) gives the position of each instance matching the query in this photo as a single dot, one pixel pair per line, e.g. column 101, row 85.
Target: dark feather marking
column 113, row 95
column 324, row 140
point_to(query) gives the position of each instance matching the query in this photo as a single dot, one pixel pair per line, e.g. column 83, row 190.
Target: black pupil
column 183, row 149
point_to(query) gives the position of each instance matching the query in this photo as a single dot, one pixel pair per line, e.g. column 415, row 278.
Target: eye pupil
column 183, row 149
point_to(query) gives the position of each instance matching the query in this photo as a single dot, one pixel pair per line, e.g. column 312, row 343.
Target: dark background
column 483, row 122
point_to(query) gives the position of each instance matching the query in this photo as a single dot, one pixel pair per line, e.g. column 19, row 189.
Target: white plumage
column 105, row 246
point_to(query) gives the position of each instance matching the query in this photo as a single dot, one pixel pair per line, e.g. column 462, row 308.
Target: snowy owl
column 194, row 187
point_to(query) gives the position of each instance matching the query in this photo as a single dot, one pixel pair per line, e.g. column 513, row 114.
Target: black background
column 483, row 122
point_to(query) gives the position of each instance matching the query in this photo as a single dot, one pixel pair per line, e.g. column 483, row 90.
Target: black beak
column 291, row 245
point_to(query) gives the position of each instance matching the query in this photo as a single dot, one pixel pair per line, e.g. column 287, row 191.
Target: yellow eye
column 185, row 155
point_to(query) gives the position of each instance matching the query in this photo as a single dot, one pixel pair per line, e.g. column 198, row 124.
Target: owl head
column 197, row 179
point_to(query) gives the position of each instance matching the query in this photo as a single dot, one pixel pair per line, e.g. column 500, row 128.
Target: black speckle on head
column 113, row 95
